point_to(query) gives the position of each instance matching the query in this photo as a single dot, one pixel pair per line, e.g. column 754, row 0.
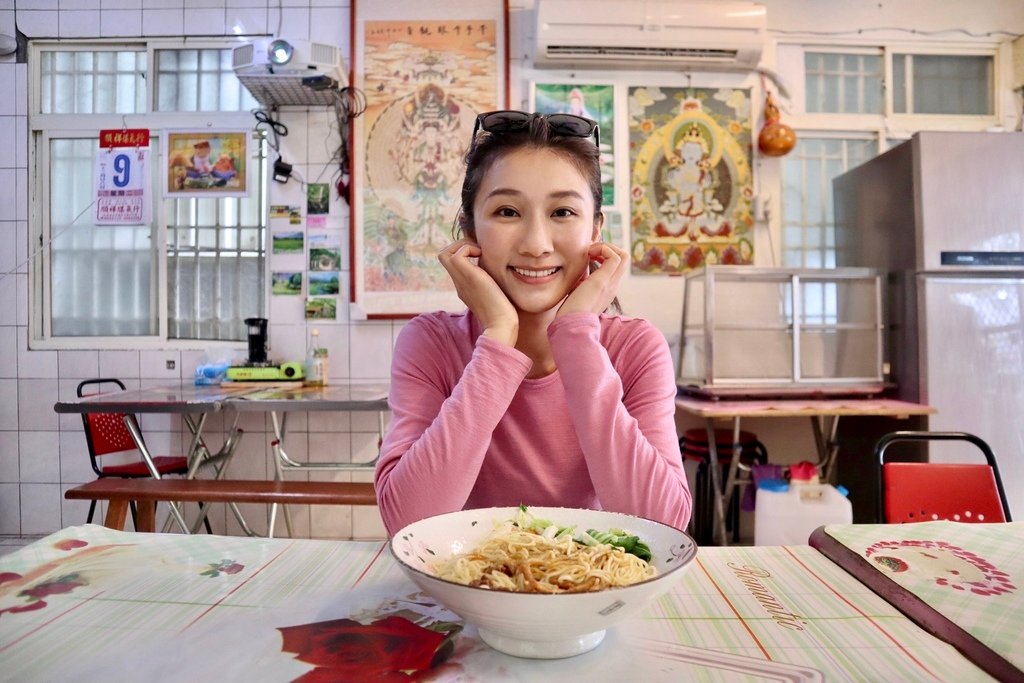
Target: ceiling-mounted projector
column 282, row 71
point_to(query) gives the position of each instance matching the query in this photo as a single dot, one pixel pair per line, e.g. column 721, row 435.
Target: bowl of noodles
column 542, row 582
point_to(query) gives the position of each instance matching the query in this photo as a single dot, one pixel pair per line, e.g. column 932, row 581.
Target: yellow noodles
column 512, row 559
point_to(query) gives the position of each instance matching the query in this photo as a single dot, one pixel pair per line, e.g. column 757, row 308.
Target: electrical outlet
column 761, row 206
column 170, row 365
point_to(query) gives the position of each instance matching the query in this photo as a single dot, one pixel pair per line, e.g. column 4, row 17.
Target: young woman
column 533, row 395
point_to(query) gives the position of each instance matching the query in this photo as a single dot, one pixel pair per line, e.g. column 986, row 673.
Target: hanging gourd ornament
column 776, row 138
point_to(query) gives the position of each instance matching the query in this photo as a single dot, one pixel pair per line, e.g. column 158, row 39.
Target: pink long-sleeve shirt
column 469, row 429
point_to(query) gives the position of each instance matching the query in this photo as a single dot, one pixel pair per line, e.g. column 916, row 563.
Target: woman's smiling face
column 534, row 221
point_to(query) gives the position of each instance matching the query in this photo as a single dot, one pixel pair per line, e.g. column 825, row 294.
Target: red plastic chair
column 106, row 433
column 926, row 491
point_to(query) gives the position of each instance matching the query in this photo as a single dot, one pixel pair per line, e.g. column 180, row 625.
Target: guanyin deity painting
column 691, row 184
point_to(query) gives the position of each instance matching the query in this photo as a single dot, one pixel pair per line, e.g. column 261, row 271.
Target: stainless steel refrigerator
column 943, row 213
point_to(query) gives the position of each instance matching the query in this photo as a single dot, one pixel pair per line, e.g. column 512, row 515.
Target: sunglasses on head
column 570, row 125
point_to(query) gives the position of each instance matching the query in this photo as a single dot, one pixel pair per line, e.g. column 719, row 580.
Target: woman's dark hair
column 489, row 147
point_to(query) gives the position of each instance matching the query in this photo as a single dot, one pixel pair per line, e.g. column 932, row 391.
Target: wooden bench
column 146, row 493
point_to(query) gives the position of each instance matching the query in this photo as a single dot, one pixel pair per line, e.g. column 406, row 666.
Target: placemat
column 962, row 582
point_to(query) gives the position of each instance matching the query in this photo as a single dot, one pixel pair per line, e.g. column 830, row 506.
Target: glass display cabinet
column 753, row 331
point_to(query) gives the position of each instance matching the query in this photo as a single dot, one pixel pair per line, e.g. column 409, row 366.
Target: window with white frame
column 952, row 85
column 852, row 99
column 196, row 271
column 843, row 83
column 807, row 222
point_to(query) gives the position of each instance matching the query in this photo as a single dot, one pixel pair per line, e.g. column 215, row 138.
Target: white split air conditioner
column 651, row 34
column 282, row 71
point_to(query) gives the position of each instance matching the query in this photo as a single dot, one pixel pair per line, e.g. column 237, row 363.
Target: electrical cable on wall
column 282, row 170
column 45, row 245
column 896, row 29
column 348, row 104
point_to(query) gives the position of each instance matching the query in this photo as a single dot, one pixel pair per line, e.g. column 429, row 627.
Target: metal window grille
column 842, row 83
column 199, row 80
column 92, row 82
column 955, row 85
column 808, row 225
column 215, row 263
column 104, row 281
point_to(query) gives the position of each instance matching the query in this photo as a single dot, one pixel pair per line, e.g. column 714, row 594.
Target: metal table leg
column 716, row 484
column 198, row 456
column 283, row 462
column 277, row 448
column 201, row 457
column 735, row 467
column 828, row 448
column 140, row 443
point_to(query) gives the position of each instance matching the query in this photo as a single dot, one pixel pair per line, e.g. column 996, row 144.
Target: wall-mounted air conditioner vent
column 658, row 53
column 656, row 34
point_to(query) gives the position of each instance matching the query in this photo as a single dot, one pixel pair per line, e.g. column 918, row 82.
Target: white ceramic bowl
column 536, row 625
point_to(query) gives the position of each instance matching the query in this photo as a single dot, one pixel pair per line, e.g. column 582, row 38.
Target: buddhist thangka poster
column 691, row 189
column 425, row 80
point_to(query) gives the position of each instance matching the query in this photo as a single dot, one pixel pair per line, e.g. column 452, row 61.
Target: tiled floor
column 9, row 544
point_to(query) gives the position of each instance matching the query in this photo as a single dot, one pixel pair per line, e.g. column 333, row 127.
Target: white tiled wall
column 42, row 453
column 32, row 479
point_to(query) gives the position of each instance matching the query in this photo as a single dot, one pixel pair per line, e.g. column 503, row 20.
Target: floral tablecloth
column 91, row 604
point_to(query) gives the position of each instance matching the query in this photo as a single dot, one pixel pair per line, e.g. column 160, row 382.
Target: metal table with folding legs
column 340, row 396
column 823, row 413
column 194, row 404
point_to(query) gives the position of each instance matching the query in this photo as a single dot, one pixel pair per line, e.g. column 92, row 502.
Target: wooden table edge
column 716, row 410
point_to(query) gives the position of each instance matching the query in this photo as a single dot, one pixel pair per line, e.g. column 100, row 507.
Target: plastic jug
column 787, row 514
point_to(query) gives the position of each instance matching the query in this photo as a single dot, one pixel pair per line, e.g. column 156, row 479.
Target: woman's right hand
column 478, row 290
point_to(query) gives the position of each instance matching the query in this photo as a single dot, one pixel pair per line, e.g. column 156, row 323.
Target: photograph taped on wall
column 426, row 70
column 595, row 102
column 325, row 251
column 286, row 283
column 691, row 185
column 206, row 163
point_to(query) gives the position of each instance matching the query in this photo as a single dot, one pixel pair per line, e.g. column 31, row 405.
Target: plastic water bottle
column 317, row 362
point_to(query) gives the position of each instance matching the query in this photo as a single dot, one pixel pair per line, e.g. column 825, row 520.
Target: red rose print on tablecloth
column 222, row 567
column 390, row 649
column 36, row 593
column 70, row 544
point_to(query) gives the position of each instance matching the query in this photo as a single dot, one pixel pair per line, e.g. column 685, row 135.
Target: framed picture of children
column 206, row 163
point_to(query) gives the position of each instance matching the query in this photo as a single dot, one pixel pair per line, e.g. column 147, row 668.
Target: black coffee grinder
column 257, row 342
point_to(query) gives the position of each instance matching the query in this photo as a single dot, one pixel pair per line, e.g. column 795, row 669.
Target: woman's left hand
column 596, row 291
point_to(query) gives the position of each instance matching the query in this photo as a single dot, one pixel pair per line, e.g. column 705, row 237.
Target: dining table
column 195, row 403
column 280, row 401
column 823, row 413
column 89, row 603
